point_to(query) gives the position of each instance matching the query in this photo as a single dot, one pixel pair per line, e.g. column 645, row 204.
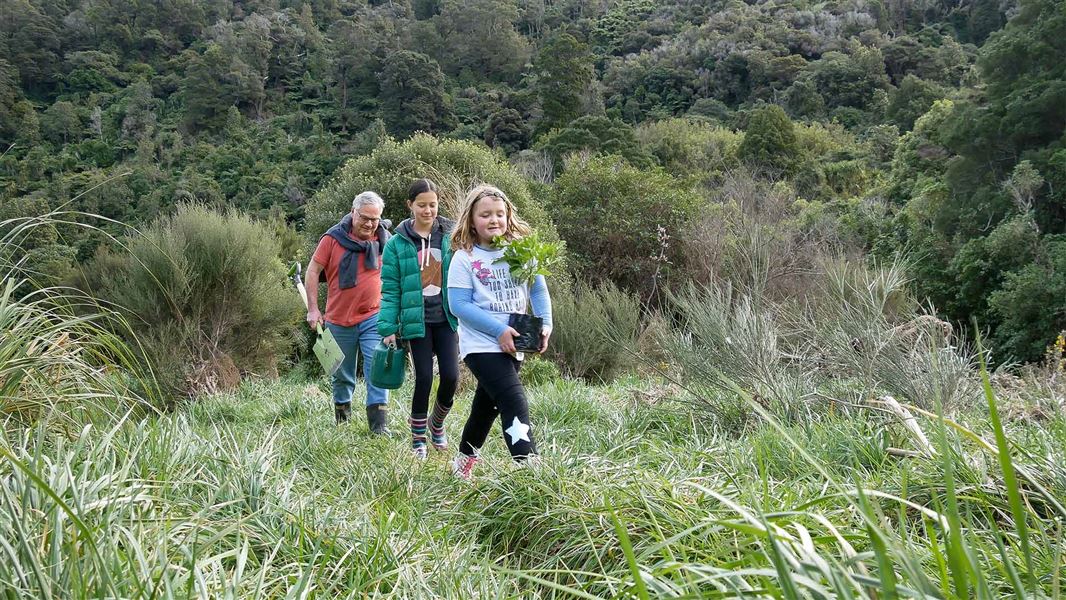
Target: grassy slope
column 257, row 494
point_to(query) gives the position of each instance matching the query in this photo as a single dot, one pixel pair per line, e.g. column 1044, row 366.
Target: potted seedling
column 528, row 257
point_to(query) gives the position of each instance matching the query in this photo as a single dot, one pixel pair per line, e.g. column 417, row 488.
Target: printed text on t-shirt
column 508, row 296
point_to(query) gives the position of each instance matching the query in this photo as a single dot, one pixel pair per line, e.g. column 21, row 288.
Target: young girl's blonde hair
column 465, row 236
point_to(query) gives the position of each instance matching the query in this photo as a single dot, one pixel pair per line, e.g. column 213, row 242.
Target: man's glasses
column 365, row 219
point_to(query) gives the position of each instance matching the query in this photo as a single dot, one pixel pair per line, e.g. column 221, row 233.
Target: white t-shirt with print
column 494, row 291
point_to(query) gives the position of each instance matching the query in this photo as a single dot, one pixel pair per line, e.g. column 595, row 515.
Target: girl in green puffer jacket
column 414, row 309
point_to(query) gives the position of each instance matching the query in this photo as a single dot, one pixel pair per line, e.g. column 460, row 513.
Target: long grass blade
column 1009, row 478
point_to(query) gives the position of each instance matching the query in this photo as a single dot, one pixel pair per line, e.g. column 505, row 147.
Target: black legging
column 439, row 341
column 499, row 392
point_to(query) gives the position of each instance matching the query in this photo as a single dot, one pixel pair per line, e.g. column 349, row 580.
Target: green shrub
column 690, row 148
column 596, row 330
column 34, row 251
column 770, row 140
column 619, row 222
column 832, row 163
column 593, row 135
column 1024, row 303
column 456, row 166
column 537, row 371
column 911, row 100
column 980, row 266
column 206, row 296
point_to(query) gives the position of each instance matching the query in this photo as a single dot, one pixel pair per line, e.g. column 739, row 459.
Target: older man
column 348, row 257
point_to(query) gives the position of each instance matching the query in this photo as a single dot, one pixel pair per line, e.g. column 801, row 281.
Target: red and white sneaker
column 463, row 466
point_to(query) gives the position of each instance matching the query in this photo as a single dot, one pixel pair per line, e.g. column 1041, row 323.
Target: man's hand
column 389, row 340
column 506, row 340
column 314, row 316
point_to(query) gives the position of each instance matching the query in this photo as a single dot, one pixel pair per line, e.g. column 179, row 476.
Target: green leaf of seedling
column 528, row 257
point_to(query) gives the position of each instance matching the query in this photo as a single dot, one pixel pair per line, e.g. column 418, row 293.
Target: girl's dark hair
column 421, row 186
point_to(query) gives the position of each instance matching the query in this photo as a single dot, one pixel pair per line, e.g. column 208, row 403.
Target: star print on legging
column 518, row 431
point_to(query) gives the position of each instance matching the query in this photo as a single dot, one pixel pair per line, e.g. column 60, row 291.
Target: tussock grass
column 583, row 317
column 255, row 494
column 862, row 336
column 61, row 356
column 60, row 365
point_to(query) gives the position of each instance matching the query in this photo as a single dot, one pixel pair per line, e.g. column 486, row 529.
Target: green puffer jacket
column 402, row 309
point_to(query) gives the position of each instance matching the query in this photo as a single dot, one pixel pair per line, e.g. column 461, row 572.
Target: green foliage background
column 920, row 132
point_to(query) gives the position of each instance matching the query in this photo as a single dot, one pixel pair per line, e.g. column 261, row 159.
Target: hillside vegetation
column 932, row 131
column 810, row 336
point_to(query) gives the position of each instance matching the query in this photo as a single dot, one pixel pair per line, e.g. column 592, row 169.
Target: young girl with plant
column 483, row 294
column 414, row 309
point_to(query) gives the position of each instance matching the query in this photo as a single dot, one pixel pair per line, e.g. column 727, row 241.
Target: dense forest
column 928, row 132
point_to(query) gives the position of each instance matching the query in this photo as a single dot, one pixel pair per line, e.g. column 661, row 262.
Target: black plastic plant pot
column 529, row 329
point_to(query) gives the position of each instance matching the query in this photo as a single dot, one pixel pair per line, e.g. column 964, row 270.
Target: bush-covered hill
column 766, row 205
column 929, row 130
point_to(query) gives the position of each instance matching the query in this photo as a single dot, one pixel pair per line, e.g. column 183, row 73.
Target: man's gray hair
column 368, row 199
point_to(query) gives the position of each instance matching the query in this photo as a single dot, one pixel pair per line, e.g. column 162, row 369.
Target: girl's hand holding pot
column 506, row 340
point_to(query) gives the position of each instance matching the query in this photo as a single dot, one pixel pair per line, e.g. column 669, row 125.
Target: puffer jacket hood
column 442, row 225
